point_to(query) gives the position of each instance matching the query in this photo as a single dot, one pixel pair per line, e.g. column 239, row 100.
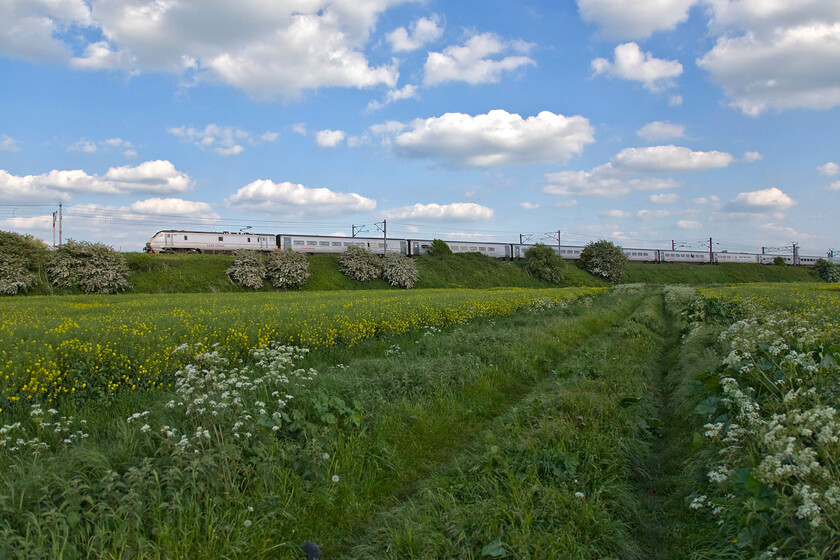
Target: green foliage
column 605, row 260
column 89, row 267
column 779, row 261
column 399, row 270
column 287, row 269
column 542, row 261
column 439, row 248
column 248, row 269
column 20, row 258
column 828, row 271
column 360, row 264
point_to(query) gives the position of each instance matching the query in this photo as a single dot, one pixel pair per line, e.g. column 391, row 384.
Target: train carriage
column 316, row 244
column 209, row 242
column 495, row 250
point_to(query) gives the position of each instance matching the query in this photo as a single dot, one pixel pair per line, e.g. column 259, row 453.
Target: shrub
column 439, row 248
column 90, row 267
column 20, row 258
column 605, row 260
column 287, row 269
column 247, row 269
column 541, row 261
column 828, row 271
column 779, row 261
column 359, row 264
column 399, row 270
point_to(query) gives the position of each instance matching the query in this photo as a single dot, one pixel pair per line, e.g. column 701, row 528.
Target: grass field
column 635, row 422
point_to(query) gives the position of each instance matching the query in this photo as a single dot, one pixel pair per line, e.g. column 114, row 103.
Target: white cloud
column 670, row 158
column 424, row 30
column 225, row 140
column 751, row 157
column 615, row 214
column 472, row 62
column 267, row 49
column 712, row 200
column 329, row 138
column 528, row 205
column 632, row 64
column 441, row 212
column 173, row 206
column 129, row 154
column 566, row 204
column 788, row 67
column 659, row 130
column 602, row 182
column 652, row 214
column 630, row 19
column 8, row 144
column 288, row 198
column 407, row 92
column 158, row 176
column 493, row 139
column 675, row 100
column 835, row 186
column 83, row 146
column 689, row 224
column 829, row 168
column 766, row 200
column 666, row 198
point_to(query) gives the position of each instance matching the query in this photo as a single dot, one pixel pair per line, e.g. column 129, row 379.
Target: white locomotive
column 172, row 241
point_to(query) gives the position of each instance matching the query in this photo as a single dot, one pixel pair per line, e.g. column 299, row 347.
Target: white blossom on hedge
column 287, row 269
column 399, row 270
column 90, row 267
column 360, row 264
column 248, row 269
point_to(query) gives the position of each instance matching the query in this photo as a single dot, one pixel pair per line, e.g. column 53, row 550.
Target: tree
column 779, row 261
column 828, row 271
column 542, row 261
column 605, row 260
column 439, row 248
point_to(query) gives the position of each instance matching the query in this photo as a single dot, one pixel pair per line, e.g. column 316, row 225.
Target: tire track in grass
column 550, row 477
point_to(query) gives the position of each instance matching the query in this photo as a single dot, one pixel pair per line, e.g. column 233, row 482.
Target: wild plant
column 89, row 267
column 287, row 269
column 360, row 264
column 248, row 269
column 541, row 261
column 20, row 258
column 605, row 260
column 399, row 270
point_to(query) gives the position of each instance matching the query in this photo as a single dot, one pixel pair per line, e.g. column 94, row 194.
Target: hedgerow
column 20, row 258
column 541, row 261
column 248, row 269
column 287, row 269
column 89, row 267
column 399, row 270
column 605, row 260
column 360, row 264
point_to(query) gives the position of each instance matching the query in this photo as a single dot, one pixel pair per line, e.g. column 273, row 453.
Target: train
column 176, row 241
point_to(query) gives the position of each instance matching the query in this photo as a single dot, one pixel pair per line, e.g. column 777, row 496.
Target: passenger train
column 172, row 241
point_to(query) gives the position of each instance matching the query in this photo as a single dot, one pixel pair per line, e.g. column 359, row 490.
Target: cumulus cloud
column 615, row 214
column 83, row 146
column 158, row 176
column 689, row 224
column 406, row 92
column 441, row 212
column 224, row 140
column 656, row 159
column 269, row 50
column 652, row 214
column 835, row 186
column 829, row 168
column 493, row 139
column 473, row 62
column 766, row 200
column 173, row 206
column 566, row 204
column 659, row 130
column 779, row 67
column 602, row 182
column 629, row 19
column 329, row 138
column 751, row 157
column 631, row 63
column 8, row 144
column 665, row 198
column 90, row 147
column 528, row 205
column 422, row 31
column 268, row 197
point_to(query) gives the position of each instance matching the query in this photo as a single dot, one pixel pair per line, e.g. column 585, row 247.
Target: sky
column 651, row 124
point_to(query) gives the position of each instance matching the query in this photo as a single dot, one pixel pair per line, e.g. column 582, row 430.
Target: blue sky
column 638, row 122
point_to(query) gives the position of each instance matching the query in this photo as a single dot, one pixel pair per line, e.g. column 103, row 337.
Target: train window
column 298, row 242
column 491, row 249
column 221, row 238
column 249, row 240
column 324, row 243
column 482, row 248
column 185, row 238
column 336, row 243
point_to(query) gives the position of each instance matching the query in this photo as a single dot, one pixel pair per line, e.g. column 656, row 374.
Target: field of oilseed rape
column 88, row 346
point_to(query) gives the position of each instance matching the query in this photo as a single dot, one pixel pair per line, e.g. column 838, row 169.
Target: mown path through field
column 568, row 467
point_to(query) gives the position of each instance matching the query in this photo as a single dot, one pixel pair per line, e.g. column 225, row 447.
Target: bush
column 90, row 267
column 439, row 248
column 779, row 261
column 828, row 271
column 20, row 259
column 287, row 269
column 247, row 269
column 605, row 260
column 541, row 261
column 399, row 270
column 359, row 264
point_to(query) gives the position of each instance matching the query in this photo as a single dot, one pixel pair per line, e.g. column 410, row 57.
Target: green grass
column 723, row 273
